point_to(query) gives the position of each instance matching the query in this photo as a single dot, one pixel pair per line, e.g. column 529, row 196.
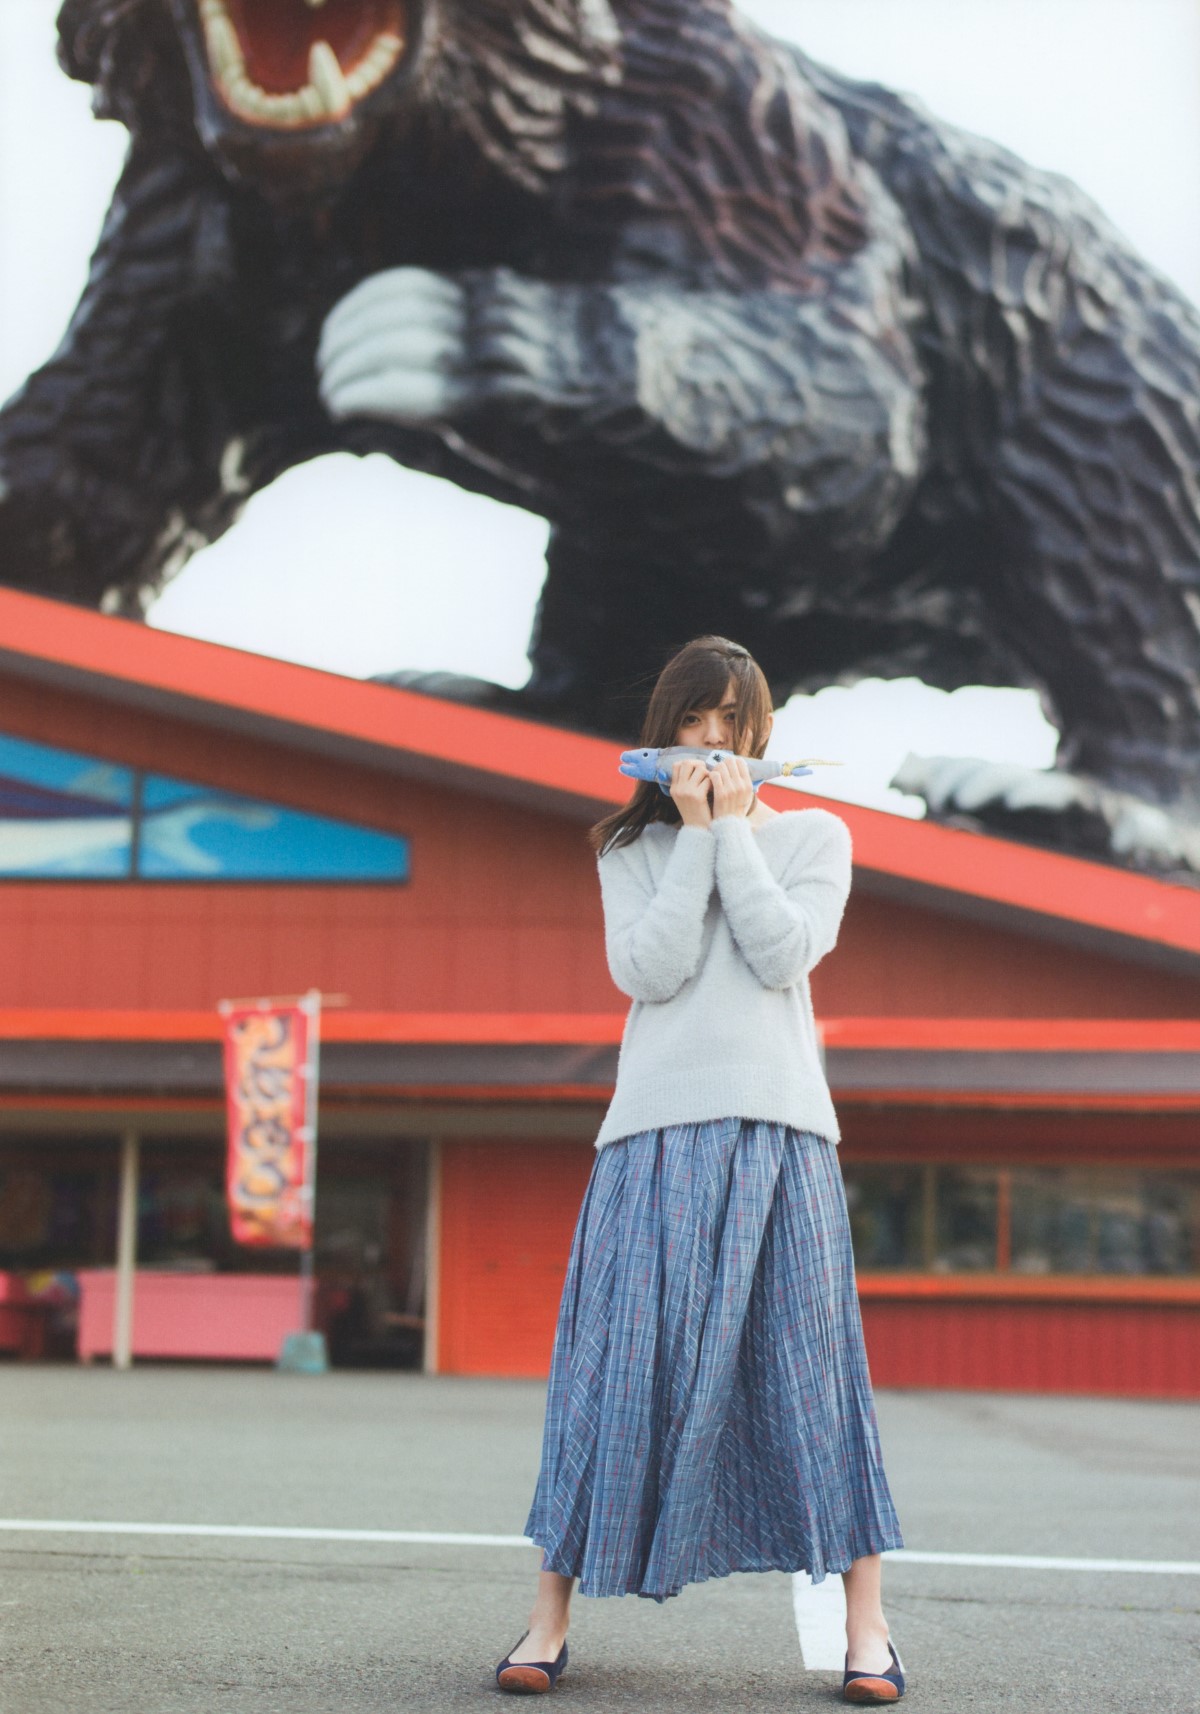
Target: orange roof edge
column 483, row 1028
column 952, row 1034
column 306, row 698
column 571, row 765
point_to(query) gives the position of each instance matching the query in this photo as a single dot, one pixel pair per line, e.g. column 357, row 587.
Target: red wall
column 1134, row 1350
column 502, row 912
column 499, row 916
column 508, row 1211
column 900, row 960
column 999, row 1136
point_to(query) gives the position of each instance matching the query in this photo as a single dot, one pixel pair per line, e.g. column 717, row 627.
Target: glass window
column 886, row 1205
column 53, row 1215
column 966, row 1219
column 181, row 1216
column 1027, row 1220
column 1091, row 1220
column 71, row 815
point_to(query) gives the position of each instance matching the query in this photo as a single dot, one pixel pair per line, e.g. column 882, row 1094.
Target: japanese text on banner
column 270, row 1087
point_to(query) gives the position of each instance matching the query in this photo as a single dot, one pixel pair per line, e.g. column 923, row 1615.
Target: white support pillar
column 433, row 1255
column 127, row 1207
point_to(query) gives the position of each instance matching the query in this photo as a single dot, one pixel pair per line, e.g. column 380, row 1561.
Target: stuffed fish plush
column 657, row 764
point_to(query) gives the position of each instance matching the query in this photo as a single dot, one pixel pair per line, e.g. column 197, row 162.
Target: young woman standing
column 709, row 1406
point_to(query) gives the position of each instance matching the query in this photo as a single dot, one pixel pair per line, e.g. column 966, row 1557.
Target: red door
column 508, row 1210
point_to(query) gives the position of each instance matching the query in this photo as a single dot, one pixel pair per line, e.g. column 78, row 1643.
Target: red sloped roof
column 559, row 770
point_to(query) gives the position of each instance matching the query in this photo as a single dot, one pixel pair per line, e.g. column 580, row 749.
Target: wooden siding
column 502, row 914
column 508, row 1209
column 1131, row 1350
column 904, row 960
column 1002, row 1137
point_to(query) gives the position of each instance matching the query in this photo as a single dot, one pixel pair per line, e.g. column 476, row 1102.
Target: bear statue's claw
column 526, row 702
column 557, row 690
column 452, row 687
column 1051, row 807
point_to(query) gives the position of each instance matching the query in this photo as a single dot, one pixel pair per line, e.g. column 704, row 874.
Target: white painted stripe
column 461, row 1538
column 263, row 1532
column 820, row 1610
column 1036, row 1562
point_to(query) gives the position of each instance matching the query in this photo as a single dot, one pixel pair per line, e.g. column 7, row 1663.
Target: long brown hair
column 694, row 679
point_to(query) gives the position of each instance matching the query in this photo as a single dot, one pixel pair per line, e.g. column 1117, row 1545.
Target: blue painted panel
column 62, row 814
column 189, row 831
column 69, row 815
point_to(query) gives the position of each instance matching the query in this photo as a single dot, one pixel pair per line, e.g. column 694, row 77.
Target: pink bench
column 225, row 1317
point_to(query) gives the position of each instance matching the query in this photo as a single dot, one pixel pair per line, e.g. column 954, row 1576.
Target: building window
column 1069, row 1220
column 1024, row 1220
column 887, row 1216
column 74, row 817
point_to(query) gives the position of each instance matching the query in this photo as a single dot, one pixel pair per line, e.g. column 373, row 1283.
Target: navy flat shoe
column 530, row 1677
column 875, row 1686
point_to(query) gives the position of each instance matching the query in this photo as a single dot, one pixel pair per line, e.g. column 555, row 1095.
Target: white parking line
column 264, row 1532
column 820, row 1611
column 1039, row 1562
column 820, row 1608
column 461, row 1538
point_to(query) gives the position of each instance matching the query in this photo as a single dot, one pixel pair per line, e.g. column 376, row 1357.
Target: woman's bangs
column 709, row 684
column 753, row 707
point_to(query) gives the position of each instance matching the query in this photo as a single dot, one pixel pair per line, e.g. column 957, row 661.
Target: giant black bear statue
column 776, row 354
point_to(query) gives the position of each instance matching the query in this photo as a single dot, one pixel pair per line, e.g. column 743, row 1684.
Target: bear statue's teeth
column 329, row 94
column 374, row 66
column 224, row 50
column 325, row 76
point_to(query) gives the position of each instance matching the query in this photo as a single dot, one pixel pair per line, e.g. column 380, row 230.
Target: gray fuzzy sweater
column 712, row 932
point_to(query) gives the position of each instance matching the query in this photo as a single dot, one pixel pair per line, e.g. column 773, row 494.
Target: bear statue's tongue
column 285, row 64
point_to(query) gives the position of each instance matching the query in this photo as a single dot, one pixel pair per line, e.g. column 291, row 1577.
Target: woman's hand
column 732, row 788
column 690, row 792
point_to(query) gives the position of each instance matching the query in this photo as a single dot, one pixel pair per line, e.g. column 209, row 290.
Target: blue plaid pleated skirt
column 709, row 1406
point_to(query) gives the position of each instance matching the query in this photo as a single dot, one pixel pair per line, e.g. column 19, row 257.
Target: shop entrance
column 58, row 1237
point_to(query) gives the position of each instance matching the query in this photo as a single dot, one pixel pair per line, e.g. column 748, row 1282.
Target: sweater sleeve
column 783, row 927
column 653, row 934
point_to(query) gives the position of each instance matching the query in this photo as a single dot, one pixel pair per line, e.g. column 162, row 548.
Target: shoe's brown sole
column 871, row 1690
column 530, row 1680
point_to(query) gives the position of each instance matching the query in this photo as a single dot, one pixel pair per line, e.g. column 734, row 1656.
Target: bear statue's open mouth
column 289, row 64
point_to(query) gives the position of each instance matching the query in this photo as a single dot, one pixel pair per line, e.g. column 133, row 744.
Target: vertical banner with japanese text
column 271, row 1102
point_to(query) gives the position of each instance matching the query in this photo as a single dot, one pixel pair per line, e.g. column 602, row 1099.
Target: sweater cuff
column 733, row 835
column 739, row 857
column 692, row 863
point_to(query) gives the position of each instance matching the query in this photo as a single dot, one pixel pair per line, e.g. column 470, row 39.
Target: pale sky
column 359, row 566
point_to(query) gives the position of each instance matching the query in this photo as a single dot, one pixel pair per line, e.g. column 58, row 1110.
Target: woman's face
column 711, row 728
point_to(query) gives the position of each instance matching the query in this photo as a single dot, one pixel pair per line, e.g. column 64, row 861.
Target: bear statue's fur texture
column 776, row 354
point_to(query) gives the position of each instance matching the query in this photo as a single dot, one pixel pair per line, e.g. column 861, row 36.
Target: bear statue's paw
column 393, row 348
column 1069, row 812
column 425, row 349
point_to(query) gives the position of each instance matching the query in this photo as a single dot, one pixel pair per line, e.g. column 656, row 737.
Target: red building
column 1012, row 1036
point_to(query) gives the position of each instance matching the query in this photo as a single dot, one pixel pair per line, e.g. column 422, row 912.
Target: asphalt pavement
column 100, row 1623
